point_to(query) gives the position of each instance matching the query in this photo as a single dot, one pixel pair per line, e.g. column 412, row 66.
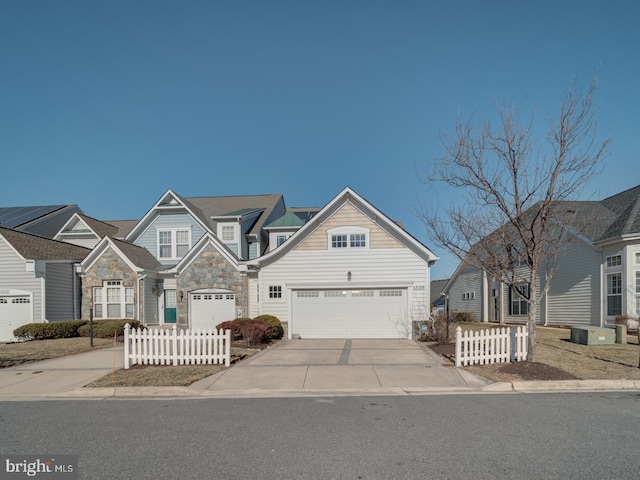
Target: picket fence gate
column 176, row 347
column 495, row 345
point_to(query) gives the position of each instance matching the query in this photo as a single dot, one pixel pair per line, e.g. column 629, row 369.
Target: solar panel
column 12, row 217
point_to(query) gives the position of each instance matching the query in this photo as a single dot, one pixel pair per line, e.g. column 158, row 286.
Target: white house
column 596, row 277
column 38, row 280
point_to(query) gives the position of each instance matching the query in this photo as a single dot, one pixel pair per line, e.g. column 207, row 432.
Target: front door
column 169, row 306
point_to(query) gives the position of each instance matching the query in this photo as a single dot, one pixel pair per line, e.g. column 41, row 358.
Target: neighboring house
column 182, row 262
column 348, row 272
column 344, row 270
column 437, row 297
column 38, row 280
column 596, row 276
column 44, row 220
column 86, row 231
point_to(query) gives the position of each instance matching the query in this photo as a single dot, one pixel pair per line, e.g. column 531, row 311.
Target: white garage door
column 209, row 309
column 15, row 310
column 379, row 313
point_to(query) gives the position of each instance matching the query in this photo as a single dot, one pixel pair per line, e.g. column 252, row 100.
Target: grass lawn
column 617, row 361
column 12, row 354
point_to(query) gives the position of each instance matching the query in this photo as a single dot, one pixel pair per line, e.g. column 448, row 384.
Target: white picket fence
column 495, row 345
column 176, row 347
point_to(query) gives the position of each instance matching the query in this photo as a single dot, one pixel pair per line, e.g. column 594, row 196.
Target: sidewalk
column 271, row 373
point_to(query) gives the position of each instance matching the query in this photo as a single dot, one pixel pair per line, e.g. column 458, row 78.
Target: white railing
column 496, row 345
column 176, row 347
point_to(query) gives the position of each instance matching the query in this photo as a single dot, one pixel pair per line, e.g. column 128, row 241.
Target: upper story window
column 173, row 244
column 614, row 261
column 637, row 258
column 281, row 238
column 348, row 237
column 228, row 233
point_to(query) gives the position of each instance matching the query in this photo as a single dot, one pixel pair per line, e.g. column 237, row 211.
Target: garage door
column 15, row 310
column 369, row 313
column 209, row 309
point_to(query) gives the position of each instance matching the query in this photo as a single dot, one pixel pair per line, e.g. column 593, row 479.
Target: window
column 275, row 291
column 228, row 233
column 614, row 261
column 113, row 299
column 307, row 294
column 637, row 258
column 614, row 294
column 338, row 241
column 280, row 239
column 348, row 237
column 469, row 296
column 390, row 293
column 518, row 305
column 173, row 244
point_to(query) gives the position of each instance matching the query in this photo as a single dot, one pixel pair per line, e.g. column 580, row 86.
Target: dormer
column 281, row 229
column 233, row 229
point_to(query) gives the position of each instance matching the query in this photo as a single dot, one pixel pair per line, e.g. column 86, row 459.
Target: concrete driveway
column 342, row 365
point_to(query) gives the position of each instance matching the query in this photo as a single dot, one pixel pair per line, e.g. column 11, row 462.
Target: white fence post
column 227, row 347
column 127, row 332
column 490, row 346
column 458, row 346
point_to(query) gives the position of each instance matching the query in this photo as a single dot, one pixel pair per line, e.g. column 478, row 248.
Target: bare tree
column 513, row 193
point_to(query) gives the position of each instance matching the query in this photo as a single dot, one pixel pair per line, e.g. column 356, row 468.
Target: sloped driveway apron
column 312, row 365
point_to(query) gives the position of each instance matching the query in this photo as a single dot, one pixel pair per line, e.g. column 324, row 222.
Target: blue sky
column 109, row 104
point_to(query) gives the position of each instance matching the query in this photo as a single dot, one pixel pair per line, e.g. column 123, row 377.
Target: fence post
column 458, row 345
column 227, row 347
column 174, row 341
column 127, row 331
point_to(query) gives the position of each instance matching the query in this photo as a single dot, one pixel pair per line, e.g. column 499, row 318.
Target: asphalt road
column 516, row 436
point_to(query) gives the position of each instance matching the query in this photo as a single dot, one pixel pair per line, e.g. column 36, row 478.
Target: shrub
column 254, row 333
column 44, row 331
column 235, row 326
column 463, row 317
column 105, row 328
column 273, row 324
column 442, row 328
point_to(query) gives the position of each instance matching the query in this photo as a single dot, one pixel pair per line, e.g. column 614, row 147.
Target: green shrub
column 106, row 328
column 43, row 331
column 463, row 317
column 273, row 324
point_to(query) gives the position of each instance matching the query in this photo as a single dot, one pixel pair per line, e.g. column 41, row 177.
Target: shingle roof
column 99, row 227
column 12, row 217
column 33, row 247
column 626, row 206
column 123, row 226
column 139, row 256
column 218, row 206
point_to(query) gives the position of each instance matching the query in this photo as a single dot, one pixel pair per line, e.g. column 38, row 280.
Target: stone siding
column 110, row 266
column 211, row 270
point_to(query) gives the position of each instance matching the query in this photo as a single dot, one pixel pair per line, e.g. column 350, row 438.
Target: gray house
column 596, row 277
column 38, row 280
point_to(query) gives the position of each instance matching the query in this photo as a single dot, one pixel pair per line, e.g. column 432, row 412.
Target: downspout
column 74, row 291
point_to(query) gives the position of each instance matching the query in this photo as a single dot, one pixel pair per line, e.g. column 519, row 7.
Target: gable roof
column 98, row 227
column 14, row 217
column 34, row 247
column 626, row 207
column 349, row 195
column 138, row 258
column 123, row 226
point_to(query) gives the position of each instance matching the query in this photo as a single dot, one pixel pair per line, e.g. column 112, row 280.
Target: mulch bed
column 523, row 371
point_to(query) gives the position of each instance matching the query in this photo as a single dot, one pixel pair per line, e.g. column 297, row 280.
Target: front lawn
column 12, row 354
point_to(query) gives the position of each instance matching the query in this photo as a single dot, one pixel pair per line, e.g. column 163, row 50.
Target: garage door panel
column 210, row 309
column 15, row 310
column 351, row 313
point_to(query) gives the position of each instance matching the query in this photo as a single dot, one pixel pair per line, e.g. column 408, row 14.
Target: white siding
column 468, row 281
column 573, row 297
column 13, row 275
column 59, row 291
column 325, row 268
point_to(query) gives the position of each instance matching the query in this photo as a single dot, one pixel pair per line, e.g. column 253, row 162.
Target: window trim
column 275, row 292
column 174, row 242
column 610, row 296
column 100, row 299
column 523, row 305
column 353, row 236
column 614, row 260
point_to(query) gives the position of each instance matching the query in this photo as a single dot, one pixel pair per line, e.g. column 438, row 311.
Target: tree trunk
column 531, row 320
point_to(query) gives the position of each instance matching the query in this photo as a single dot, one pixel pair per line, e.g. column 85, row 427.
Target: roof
column 436, row 289
column 123, row 226
column 34, row 247
column 12, row 217
column 139, row 256
column 289, row 219
column 625, row 206
column 224, row 206
column 305, row 213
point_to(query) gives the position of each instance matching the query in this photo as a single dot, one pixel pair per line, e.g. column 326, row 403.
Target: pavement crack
column 346, row 351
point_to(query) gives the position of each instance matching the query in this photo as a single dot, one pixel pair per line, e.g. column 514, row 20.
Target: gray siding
column 573, row 297
column 149, row 238
column 253, row 250
column 150, row 302
column 59, row 291
column 468, row 281
column 13, row 275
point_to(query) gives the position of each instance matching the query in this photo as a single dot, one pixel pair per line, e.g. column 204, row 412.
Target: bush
column 105, row 328
column 463, row 317
column 235, row 326
column 44, row 331
column 254, row 333
column 274, row 326
column 442, row 328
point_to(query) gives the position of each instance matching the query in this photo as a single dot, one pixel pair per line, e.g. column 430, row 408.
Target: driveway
column 342, row 365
